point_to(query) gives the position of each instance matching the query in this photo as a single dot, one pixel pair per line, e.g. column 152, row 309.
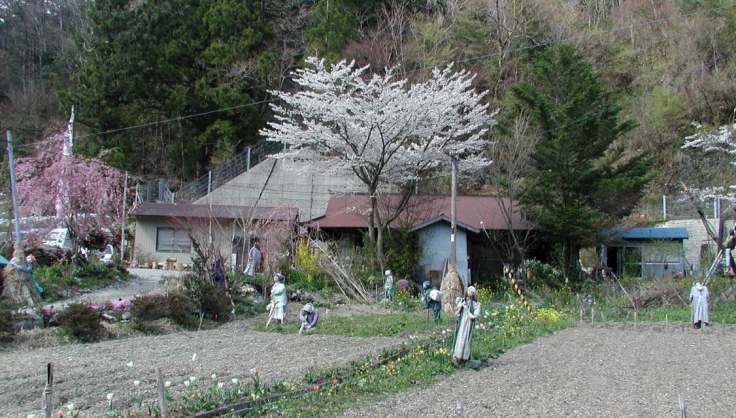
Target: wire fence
column 227, row 171
column 680, row 207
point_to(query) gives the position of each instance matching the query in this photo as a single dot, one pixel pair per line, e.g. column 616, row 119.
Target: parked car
column 58, row 237
column 106, row 254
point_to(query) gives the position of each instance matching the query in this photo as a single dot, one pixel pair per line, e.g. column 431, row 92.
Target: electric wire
column 485, row 56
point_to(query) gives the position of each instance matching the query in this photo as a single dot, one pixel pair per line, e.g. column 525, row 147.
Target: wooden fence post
column 162, row 394
column 48, row 392
column 636, row 315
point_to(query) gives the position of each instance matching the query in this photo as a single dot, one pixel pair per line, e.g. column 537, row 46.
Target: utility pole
column 14, row 194
column 453, row 212
column 453, row 217
column 122, row 231
column 62, row 200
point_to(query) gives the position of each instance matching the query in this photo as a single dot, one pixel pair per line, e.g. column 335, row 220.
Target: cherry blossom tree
column 716, row 184
column 719, row 141
column 389, row 133
column 82, row 194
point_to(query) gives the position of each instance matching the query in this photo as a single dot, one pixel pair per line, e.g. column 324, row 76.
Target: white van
column 58, row 237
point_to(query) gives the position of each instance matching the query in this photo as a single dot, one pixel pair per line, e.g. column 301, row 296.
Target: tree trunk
column 571, row 261
column 18, row 286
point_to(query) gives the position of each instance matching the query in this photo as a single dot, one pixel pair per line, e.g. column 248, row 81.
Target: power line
column 598, row 33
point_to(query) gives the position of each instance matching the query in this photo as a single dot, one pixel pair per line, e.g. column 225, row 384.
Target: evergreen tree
column 583, row 178
column 330, row 31
column 143, row 62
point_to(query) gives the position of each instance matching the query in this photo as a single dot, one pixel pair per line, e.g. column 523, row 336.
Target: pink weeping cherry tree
column 82, row 194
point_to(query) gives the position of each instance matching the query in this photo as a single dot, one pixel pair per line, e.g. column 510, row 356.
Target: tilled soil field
column 612, row 370
column 85, row 374
column 589, row 371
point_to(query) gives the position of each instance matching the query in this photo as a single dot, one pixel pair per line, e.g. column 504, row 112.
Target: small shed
column 645, row 252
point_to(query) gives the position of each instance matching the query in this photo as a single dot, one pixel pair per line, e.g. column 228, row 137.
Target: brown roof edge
column 215, row 211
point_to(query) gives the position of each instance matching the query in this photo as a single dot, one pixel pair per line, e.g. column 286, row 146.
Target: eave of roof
column 215, row 211
column 444, row 219
column 474, row 213
column 649, row 233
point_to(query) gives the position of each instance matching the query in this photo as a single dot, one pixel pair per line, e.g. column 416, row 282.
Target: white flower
column 109, row 396
column 186, row 383
column 31, row 416
column 214, row 376
column 130, row 364
column 70, row 407
column 136, row 383
column 167, row 383
column 235, row 381
column 192, row 378
column 220, row 385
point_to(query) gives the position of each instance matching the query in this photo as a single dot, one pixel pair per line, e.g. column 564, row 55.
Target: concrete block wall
column 698, row 236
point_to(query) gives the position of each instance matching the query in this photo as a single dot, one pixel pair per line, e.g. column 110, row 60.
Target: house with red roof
column 483, row 228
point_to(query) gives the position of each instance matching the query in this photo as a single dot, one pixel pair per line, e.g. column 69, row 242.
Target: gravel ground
column 143, row 281
column 587, row 371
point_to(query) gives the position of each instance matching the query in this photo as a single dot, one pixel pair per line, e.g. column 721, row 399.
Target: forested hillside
column 173, row 87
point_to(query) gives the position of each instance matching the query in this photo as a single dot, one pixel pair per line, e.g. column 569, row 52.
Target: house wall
column 698, row 238
column 654, row 259
column 145, row 242
column 436, row 250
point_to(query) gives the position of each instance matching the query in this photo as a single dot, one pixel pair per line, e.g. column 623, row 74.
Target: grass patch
column 424, row 359
column 422, row 363
column 721, row 313
column 61, row 281
column 377, row 325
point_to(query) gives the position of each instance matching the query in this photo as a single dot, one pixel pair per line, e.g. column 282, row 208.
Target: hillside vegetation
column 171, row 88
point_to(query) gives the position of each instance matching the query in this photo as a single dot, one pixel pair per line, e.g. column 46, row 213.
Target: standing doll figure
column 432, row 299
column 388, row 285
column 218, row 274
column 467, row 310
column 699, row 297
column 278, row 299
column 729, row 245
column 254, row 260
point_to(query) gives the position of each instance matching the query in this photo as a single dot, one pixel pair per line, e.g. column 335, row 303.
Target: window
column 173, row 240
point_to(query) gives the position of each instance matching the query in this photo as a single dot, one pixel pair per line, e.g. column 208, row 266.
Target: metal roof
column 215, row 211
column 472, row 212
column 651, row 233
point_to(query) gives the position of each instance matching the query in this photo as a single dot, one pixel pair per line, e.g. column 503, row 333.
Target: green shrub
column 206, row 297
column 6, row 326
column 59, row 281
column 541, row 275
column 403, row 251
column 154, row 307
column 300, row 279
column 245, row 306
column 81, row 322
